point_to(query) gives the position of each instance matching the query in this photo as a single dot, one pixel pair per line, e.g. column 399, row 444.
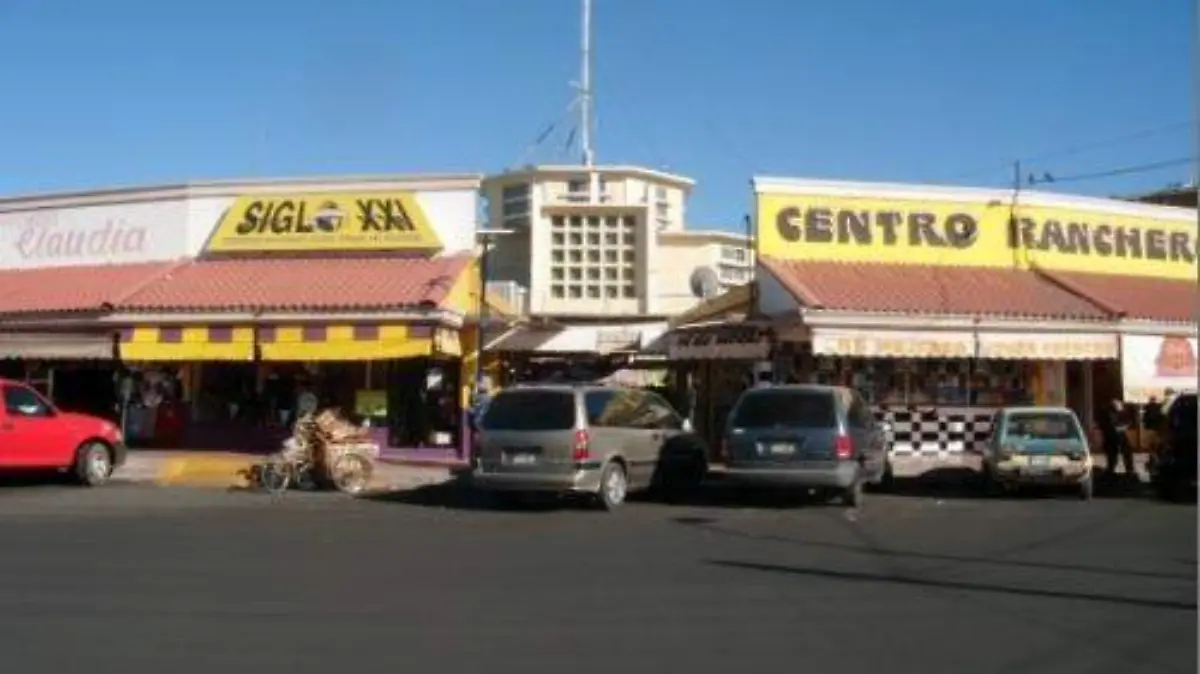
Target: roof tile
column 74, row 289
column 299, row 284
column 922, row 289
column 1135, row 296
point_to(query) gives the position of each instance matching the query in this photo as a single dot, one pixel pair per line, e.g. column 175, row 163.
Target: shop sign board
column 720, row 344
column 892, row 343
column 909, row 224
column 1047, row 346
column 325, row 222
column 91, row 235
column 1152, row 364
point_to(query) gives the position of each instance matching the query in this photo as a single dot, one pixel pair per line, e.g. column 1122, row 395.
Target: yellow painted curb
column 204, row 471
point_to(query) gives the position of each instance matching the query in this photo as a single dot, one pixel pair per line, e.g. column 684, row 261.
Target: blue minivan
column 806, row 436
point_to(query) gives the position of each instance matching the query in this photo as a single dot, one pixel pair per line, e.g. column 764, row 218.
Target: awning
column 1152, row 364
column 56, row 346
column 309, row 343
column 720, row 342
column 355, row 342
column 892, row 343
column 1047, row 346
column 177, row 344
column 629, row 338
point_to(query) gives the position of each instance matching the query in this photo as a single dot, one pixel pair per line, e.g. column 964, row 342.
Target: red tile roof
column 73, row 289
column 300, row 284
column 1134, row 296
column 876, row 287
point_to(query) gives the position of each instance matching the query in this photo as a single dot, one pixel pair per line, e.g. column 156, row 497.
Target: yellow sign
column 980, row 233
column 374, row 221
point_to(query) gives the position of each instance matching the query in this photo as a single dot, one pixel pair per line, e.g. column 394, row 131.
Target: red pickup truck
column 36, row 436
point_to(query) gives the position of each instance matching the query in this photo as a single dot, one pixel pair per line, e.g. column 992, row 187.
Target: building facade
column 212, row 306
column 941, row 304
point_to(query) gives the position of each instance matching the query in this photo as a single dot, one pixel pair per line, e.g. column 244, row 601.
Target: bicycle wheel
column 352, row 473
column 275, row 476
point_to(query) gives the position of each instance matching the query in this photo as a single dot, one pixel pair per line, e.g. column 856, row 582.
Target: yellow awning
column 158, row 344
column 356, row 343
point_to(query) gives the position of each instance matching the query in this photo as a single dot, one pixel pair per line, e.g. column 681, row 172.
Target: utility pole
column 585, row 86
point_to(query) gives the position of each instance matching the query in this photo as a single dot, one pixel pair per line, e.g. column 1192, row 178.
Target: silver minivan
column 807, row 436
column 582, row 438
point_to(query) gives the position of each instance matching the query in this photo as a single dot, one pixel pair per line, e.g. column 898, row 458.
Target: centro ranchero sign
column 324, row 222
column 859, row 222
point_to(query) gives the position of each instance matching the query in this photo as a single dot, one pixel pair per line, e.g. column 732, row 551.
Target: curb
column 204, row 471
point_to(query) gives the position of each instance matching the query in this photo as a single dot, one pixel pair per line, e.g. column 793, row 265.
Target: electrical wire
column 1073, row 150
column 1120, row 171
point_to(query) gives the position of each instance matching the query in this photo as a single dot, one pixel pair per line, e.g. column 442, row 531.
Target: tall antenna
column 585, row 86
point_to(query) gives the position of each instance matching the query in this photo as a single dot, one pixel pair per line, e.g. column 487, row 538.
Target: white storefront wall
column 173, row 228
column 94, row 234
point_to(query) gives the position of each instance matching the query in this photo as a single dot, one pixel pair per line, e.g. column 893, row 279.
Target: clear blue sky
column 117, row 92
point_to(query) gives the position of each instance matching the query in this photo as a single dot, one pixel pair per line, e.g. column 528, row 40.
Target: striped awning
column 288, row 343
column 176, row 344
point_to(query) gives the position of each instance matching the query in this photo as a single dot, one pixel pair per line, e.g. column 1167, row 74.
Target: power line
column 1077, row 149
column 1109, row 173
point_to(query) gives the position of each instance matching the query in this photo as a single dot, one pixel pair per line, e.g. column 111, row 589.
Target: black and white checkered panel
column 936, row 432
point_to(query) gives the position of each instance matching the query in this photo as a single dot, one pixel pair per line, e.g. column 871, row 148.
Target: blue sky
column 142, row 91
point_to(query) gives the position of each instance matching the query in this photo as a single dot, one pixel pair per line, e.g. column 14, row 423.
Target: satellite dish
column 704, row 283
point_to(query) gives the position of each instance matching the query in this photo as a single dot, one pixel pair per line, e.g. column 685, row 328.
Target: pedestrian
column 1113, row 424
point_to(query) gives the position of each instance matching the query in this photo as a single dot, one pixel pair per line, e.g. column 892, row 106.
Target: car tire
column 852, row 496
column 93, row 464
column 1087, row 489
column 614, row 487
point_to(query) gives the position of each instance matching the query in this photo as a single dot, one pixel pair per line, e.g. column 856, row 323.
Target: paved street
column 131, row 577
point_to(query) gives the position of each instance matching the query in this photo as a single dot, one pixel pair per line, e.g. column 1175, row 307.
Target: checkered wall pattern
column 934, row 432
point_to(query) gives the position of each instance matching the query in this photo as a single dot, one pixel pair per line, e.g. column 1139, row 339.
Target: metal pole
column 585, row 85
column 483, row 317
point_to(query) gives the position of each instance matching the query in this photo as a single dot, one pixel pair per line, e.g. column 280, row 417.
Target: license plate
column 783, row 448
column 521, row 459
column 1039, row 462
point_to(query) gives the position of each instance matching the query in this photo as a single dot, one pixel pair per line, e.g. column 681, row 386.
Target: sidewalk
column 190, row 468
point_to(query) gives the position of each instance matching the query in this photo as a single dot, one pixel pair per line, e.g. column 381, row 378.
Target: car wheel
column 93, row 464
column 1086, row 488
column 852, row 496
column 614, row 486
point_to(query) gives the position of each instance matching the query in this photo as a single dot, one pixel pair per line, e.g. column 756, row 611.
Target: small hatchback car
column 1037, row 446
column 806, row 436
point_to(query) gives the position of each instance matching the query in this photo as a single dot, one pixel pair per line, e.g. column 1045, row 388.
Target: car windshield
column 791, row 408
column 531, row 410
column 1043, row 426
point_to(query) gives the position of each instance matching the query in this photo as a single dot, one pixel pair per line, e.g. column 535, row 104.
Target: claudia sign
column 86, row 235
column 858, row 222
column 325, row 222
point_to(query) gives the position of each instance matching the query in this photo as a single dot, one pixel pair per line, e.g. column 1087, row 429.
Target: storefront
column 363, row 295
column 942, row 304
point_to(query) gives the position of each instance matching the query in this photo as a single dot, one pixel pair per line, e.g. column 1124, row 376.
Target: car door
column 619, row 421
column 28, row 432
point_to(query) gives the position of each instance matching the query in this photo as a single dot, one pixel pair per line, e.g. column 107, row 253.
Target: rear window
column 530, row 411
column 1043, row 426
column 793, row 409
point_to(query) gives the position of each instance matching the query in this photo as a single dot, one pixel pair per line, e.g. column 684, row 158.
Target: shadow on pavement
column 952, row 585
column 997, row 558
column 35, row 479
column 458, row 495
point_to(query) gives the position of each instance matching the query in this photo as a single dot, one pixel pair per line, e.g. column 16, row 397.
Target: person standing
column 1114, row 425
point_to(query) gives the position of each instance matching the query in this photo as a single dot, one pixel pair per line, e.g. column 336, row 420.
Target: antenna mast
column 585, row 86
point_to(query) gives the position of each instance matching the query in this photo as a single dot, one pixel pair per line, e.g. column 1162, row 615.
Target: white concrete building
column 606, row 242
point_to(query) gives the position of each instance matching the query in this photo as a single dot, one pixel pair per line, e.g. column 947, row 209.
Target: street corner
column 219, row 470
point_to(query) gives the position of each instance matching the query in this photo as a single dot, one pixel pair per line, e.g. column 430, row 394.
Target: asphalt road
column 127, row 578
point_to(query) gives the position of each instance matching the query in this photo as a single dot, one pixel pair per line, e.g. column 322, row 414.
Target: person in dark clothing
column 1152, row 415
column 1113, row 425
